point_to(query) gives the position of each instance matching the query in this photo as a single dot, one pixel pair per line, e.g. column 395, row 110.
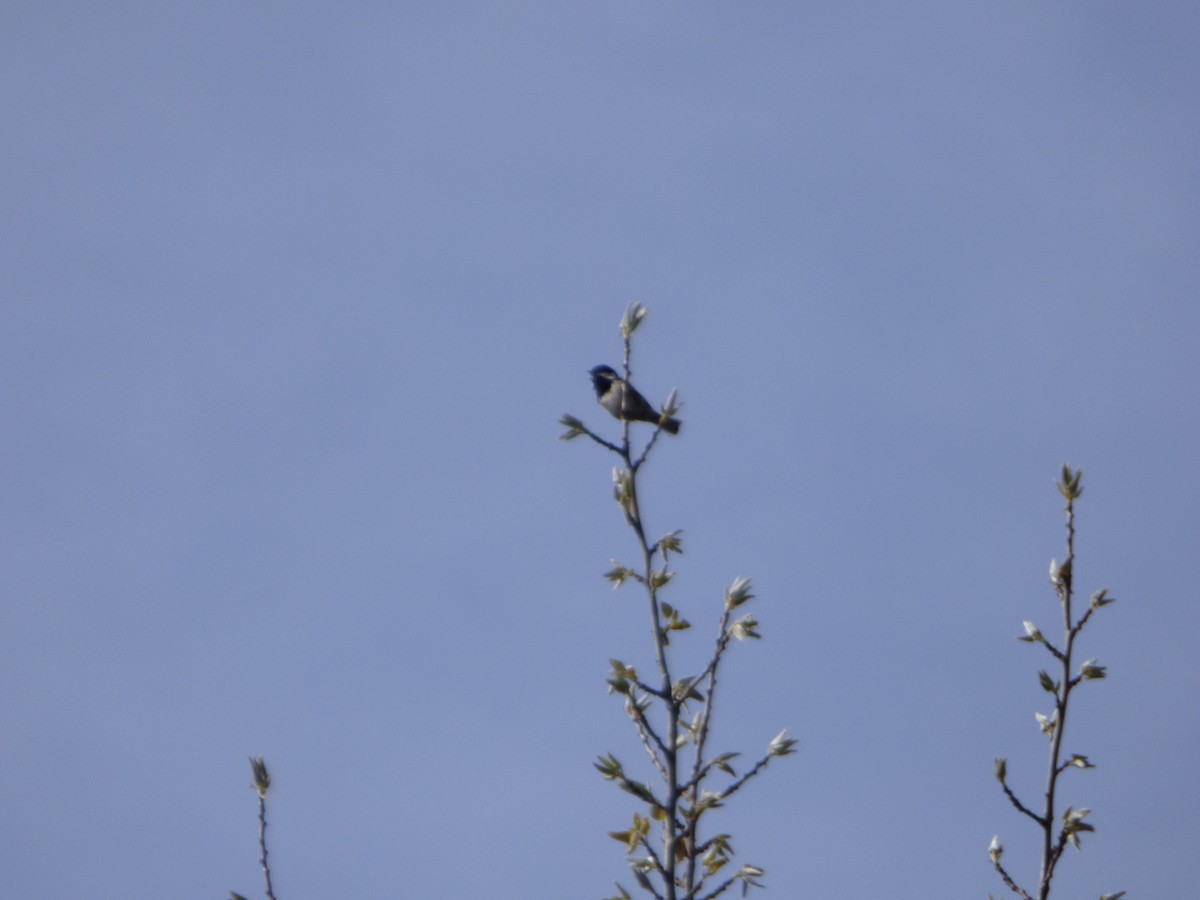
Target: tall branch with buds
column 1057, row 831
column 262, row 782
column 672, row 715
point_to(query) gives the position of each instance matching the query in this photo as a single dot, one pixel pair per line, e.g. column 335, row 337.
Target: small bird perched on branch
column 622, row 400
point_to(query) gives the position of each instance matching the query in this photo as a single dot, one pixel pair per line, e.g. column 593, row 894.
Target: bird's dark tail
column 671, row 426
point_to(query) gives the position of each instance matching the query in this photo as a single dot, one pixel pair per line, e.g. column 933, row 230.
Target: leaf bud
column 782, row 744
column 995, row 849
column 1090, row 671
column 1032, row 635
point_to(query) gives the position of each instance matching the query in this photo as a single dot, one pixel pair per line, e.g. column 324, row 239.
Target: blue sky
column 294, row 295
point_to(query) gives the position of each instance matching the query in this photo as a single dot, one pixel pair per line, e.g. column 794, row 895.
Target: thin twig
column 647, row 733
column 737, row 785
column 1063, row 586
column 699, row 769
column 1008, row 881
column 262, row 843
column 1021, row 806
column 721, row 888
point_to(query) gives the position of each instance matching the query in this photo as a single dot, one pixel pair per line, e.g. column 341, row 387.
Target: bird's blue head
column 602, row 378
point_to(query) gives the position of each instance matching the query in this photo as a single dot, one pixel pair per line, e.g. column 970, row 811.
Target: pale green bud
column 1090, row 670
column 634, row 313
column 782, row 744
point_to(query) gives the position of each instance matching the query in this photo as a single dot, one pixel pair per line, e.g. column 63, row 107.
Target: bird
column 622, row 399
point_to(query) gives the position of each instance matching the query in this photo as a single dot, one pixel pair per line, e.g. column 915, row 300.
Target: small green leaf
column 1070, row 484
column 744, row 628
column 1090, row 670
column 1047, row 723
column 672, row 406
column 660, row 577
column 262, row 780
column 671, row 542
column 642, row 880
column 782, row 744
column 609, row 767
column 618, row 574
column 684, row 690
column 738, row 593
column 574, row 427
column 634, row 313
